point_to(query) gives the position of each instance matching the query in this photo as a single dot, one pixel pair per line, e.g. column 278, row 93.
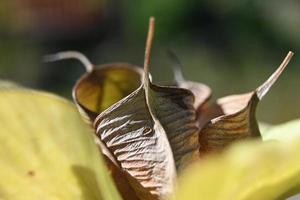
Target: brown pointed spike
column 148, row 50
column 185, row 144
column 264, row 88
column 236, row 116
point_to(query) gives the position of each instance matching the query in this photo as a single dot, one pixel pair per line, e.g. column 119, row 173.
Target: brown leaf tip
column 148, row 48
column 262, row 90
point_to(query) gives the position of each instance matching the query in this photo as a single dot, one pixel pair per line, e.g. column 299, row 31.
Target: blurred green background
column 232, row 45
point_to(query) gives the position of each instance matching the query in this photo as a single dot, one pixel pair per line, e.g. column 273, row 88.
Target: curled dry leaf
column 236, row 116
column 148, row 132
column 99, row 88
column 102, row 86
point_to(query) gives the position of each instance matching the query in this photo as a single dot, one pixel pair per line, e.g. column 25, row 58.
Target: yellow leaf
column 250, row 170
column 286, row 131
column 47, row 152
column 4, row 84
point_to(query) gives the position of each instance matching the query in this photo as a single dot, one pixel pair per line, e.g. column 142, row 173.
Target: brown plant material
column 120, row 179
column 201, row 91
column 235, row 116
column 101, row 86
column 149, row 133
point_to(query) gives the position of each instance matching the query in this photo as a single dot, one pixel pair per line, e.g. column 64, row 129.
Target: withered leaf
column 101, row 86
column 236, row 116
column 202, row 92
column 149, row 133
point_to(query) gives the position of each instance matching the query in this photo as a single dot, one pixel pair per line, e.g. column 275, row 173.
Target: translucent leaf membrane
column 101, row 86
column 47, row 151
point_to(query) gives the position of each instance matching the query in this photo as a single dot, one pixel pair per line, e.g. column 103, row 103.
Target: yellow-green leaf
column 250, row 170
column 47, row 152
column 286, row 131
column 4, row 84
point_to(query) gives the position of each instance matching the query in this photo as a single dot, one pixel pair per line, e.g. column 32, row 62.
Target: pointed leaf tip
column 148, row 49
column 262, row 90
column 236, row 116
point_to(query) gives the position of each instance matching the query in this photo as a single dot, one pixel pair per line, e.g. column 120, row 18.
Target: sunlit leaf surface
column 286, row 131
column 47, row 152
column 248, row 171
column 4, row 84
